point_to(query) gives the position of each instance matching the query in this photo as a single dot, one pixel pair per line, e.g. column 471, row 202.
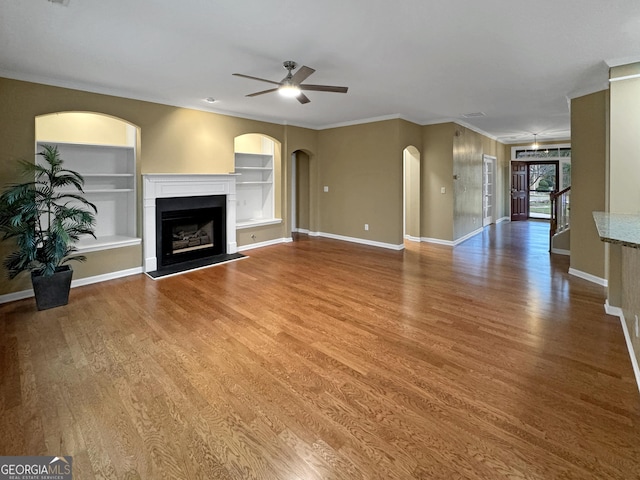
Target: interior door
column 519, row 191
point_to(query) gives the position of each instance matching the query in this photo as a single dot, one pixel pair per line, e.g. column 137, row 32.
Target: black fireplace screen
column 190, row 228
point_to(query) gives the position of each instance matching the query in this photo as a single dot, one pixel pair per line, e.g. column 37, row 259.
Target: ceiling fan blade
column 324, row 88
column 262, row 92
column 302, row 74
column 256, row 78
column 302, row 98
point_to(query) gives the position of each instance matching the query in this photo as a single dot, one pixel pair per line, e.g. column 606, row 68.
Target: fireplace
column 190, row 228
column 192, row 207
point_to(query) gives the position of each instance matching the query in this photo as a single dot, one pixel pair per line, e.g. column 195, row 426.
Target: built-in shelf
column 90, row 244
column 110, row 190
column 109, row 173
column 106, row 175
column 257, row 222
column 255, row 199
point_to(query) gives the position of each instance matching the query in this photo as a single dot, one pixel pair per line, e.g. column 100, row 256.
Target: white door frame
column 294, row 195
column 488, row 189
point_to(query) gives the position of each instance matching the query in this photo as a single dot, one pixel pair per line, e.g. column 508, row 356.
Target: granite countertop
column 620, row 228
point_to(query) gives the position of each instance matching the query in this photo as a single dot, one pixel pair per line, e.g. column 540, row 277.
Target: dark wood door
column 519, row 191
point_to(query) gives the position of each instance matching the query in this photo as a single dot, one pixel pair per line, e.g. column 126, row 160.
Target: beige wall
column 468, row 183
column 437, row 172
column 588, row 180
column 451, row 149
column 362, row 166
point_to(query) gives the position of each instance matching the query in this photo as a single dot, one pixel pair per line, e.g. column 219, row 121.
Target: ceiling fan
column 292, row 86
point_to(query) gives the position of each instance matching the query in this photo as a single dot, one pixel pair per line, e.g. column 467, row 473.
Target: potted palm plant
column 46, row 216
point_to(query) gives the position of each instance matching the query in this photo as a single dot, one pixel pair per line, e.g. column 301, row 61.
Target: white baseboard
column 411, row 238
column 301, row 230
column 561, row 251
column 451, row 243
column 617, row 312
column 11, row 297
column 437, row 241
column 503, row 219
column 361, row 241
column 266, row 243
column 587, row 276
column 467, row 236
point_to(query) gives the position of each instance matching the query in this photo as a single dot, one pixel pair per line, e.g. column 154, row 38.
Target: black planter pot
column 52, row 291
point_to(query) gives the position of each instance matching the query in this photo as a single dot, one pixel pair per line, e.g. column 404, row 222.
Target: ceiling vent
column 60, row 2
column 474, row 115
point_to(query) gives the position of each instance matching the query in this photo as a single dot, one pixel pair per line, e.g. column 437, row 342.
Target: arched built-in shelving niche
column 103, row 150
column 257, row 163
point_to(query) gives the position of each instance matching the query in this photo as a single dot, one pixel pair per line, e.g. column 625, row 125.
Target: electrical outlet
column 326, row 188
column 366, row 226
column 443, row 190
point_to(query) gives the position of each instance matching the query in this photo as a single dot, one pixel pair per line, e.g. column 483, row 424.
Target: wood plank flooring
column 323, row 359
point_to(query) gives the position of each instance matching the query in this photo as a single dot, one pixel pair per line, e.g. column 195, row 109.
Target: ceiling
column 427, row 61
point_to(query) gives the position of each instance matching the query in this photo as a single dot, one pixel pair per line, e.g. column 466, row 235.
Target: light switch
column 443, row 190
column 326, row 188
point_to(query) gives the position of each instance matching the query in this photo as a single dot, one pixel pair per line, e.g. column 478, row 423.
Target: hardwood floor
column 323, row 359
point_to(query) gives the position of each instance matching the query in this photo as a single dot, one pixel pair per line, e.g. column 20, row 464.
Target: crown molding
column 588, row 90
column 618, row 62
column 394, row 116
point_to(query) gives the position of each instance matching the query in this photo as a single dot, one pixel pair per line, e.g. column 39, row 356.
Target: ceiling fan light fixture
column 289, row 90
column 291, row 86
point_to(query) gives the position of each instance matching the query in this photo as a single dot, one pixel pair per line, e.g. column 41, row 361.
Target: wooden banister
column 559, row 212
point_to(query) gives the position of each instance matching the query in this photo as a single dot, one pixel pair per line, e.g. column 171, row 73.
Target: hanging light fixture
column 535, row 142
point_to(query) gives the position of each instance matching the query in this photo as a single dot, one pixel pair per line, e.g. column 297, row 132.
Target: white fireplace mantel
column 168, row 185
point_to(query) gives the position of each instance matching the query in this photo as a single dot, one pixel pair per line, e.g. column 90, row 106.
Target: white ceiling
column 427, row 61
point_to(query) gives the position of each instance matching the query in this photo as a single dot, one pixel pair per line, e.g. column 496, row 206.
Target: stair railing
column 560, row 207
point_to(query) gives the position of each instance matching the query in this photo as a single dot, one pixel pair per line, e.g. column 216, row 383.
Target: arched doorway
column 411, row 194
column 300, row 192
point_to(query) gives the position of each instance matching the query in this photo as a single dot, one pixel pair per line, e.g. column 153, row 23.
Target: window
column 542, row 153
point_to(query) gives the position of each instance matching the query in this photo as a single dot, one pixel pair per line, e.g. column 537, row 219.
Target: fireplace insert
column 190, row 228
